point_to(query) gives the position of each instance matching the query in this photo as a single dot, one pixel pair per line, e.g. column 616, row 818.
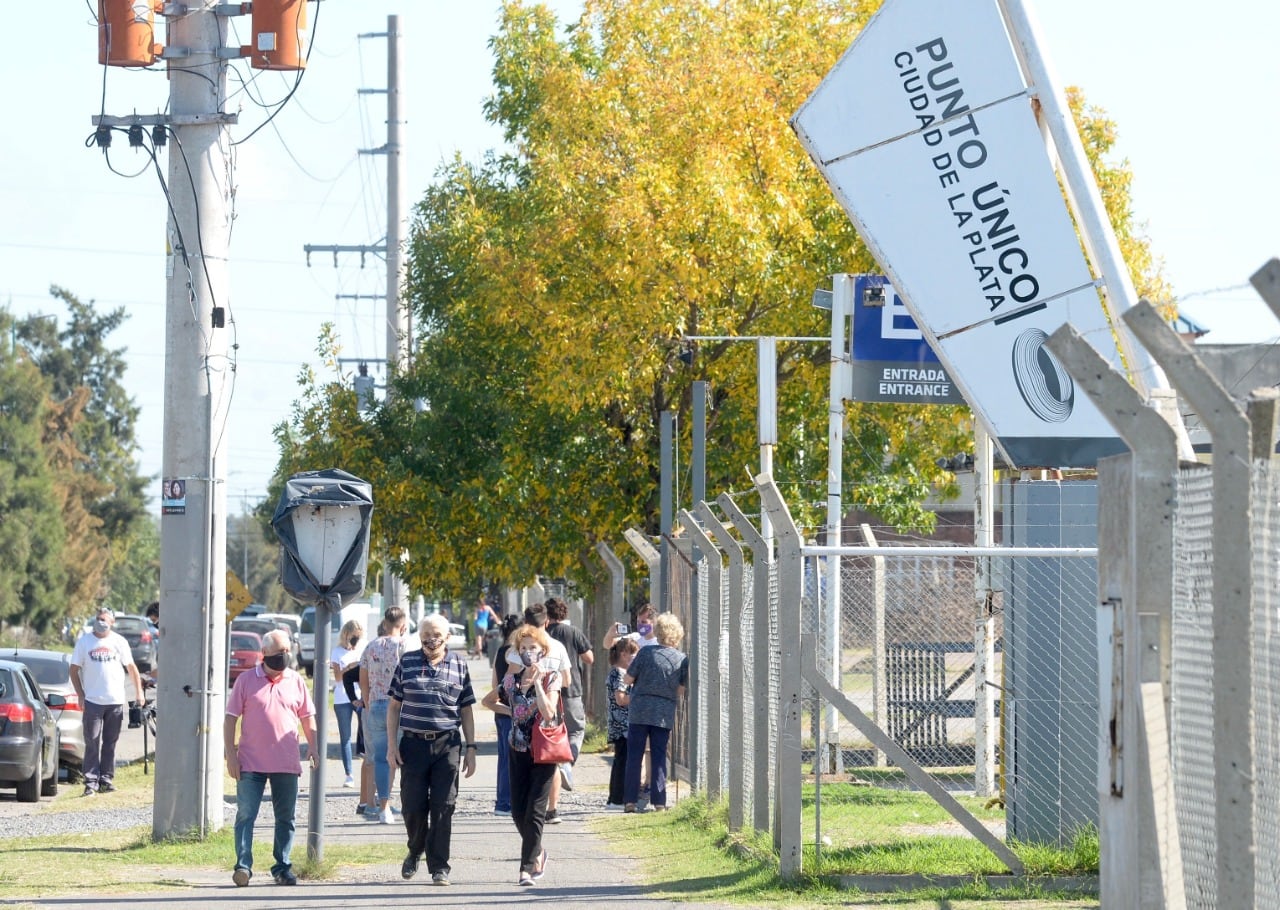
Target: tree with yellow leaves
column 653, row 190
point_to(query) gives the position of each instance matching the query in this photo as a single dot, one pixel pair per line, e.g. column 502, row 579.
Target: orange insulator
column 277, row 35
column 127, row 33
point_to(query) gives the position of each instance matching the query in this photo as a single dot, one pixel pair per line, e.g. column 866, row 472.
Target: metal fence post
column 756, row 721
column 790, row 592
column 879, row 644
column 735, row 679
column 709, row 675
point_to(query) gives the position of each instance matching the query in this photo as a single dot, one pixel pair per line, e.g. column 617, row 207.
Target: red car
column 246, row 652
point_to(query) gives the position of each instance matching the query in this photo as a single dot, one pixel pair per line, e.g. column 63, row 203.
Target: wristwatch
column 472, row 746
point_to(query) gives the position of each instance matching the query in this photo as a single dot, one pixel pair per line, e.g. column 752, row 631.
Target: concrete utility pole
column 197, row 386
column 399, row 322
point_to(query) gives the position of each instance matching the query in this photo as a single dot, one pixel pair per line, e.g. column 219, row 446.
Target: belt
column 428, row 735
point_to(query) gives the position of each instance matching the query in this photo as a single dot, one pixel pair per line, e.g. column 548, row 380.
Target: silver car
column 52, row 672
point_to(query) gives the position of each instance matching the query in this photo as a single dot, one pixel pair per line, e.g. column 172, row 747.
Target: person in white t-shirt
column 347, row 652
column 99, row 664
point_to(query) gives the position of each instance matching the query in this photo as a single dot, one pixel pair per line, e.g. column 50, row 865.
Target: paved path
column 582, row 868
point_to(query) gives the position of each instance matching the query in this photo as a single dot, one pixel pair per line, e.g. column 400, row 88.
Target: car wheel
column 29, row 789
column 49, row 786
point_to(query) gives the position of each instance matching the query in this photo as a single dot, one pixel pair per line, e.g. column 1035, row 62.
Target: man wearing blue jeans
column 268, row 702
column 377, row 666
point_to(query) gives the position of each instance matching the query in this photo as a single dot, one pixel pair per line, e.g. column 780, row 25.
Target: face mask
column 101, row 625
column 531, row 657
column 355, row 640
column 432, row 643
column 644, row 629
column 276, row 661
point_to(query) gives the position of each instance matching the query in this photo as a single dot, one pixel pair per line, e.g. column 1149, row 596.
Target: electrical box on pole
column 126, row 32
column 278, row 27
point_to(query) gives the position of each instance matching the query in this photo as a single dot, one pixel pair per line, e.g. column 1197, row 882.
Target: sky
column 1191, row 88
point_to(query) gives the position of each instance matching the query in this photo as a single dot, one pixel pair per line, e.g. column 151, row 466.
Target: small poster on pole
column 173, row 496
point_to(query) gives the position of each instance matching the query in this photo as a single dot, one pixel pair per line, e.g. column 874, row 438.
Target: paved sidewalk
column 582, row 869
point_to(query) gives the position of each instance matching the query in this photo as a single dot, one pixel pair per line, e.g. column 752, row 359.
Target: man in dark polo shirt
column 578, row 647
column 431, row 699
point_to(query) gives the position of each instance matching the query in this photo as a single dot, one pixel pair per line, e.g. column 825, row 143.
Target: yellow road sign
column 238, row 596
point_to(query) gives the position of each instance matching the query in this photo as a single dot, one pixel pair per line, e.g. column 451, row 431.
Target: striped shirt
column 432, row 697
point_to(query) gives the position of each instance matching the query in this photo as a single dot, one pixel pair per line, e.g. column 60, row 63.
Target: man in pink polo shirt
column 268, row 701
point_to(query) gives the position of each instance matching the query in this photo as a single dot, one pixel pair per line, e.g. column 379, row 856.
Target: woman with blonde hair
column 652, row 687
column 345, row 653
column 530, row 693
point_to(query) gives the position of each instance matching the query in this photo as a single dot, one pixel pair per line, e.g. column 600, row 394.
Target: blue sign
column 892, row 361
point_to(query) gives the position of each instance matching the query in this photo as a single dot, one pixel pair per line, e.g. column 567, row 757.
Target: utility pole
column 197, row 385
column 399, row 324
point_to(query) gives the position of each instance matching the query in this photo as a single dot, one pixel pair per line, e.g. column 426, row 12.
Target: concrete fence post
column 735, row 679
column 787, row 780
column 756, row 720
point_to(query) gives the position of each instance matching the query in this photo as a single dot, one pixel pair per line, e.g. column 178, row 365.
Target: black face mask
column 276, row 661
column 355, row 640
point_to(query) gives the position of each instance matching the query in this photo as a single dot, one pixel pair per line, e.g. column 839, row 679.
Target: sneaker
column 89, row 791
column 440, row 878
column 553, row 817
column 386, row 817
column 349, row 783
column 614, row 807
column 501, row 814
column 566, row 777
column 241, row 877
column 526, row 879
column 542, row 867
column 106, row 786
column 409, row 868
column 360, row 807
column 284, row 877
column 371, row 812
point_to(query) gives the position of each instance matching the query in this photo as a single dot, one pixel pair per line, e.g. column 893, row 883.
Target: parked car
column 457, row 637
column 261, row 625
column 293, row 623
column 52, row 673
column 246, row 652
column 28, row 734
column 307, row 636
column 137, row 632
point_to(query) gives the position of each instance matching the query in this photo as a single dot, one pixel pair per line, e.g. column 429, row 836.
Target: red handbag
column 549, row 744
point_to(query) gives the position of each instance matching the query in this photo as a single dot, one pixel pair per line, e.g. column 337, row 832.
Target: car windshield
column 127, row 624
column 48, row 671
column 241, row 641
column 309, row 620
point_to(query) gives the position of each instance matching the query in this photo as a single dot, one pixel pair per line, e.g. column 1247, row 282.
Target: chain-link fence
column 1195, row 728
column 907, row 660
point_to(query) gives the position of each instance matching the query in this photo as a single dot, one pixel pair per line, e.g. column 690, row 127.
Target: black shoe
column 106, row 787
column 409, row 868
column 285, row 877
column 89, row 791
column 553, row 817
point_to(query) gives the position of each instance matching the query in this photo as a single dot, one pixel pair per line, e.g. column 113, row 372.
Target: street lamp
column 322, row 520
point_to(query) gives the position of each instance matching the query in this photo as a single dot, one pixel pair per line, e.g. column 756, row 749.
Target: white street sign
column 925, row 132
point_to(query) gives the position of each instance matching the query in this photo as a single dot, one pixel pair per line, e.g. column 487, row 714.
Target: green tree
column 654, row 191
column 91, row 442
column 32, row 536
